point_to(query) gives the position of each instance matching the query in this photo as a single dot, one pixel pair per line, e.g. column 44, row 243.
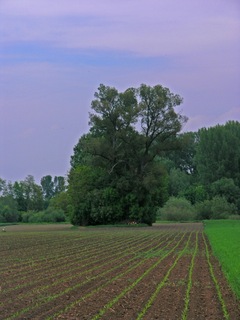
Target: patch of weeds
column 153, row 254
column 189, row 251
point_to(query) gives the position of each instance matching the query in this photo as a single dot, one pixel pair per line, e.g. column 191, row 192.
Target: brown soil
column 117, row 279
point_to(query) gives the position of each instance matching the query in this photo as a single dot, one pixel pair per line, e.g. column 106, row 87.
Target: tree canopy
column 128, row 132
column 218, row 153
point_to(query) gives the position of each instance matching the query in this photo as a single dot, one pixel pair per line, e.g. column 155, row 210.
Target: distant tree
column 6, row 188
column 195, row 193
column 226, row 188
column 51, row 187
column 20, row 196
column 61, row 201
column 184, row 154
column 218, row 153
column 2, row 186
column 28, row 195
column 179, row 181
column 8, row 209
column 47, row 187
column 59, row 184
column 128, row 133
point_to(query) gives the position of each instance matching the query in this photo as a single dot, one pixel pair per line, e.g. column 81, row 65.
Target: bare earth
column 162, row 272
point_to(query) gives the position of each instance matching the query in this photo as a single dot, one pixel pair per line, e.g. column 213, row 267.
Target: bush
column 234, row 217
column 49, row 215
column 177, row 209
column 8, row 210
column 37, row 217
column 195, row 193
column 54, row 215
column 217, row 208
column 225, row 188
column 2, row 218
column 203, row 210
column 8, row 215
column 25, row 216
column 221, row 208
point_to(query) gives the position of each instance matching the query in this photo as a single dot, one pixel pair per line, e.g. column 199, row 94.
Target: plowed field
column 163, row 272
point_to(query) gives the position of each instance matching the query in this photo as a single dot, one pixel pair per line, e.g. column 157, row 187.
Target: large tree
column 128, row 132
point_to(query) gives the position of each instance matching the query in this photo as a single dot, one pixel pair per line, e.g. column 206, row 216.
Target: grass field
column 224, row 236
column 162, row 272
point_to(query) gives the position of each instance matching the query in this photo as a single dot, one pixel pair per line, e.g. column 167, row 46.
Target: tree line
column 27, row 201
column 134, row 164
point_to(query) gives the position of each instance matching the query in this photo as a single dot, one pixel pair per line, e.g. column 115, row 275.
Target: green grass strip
column 129, row 288
column 223, row 236
column 224, row 308
column 189, row 286
column 162, row 283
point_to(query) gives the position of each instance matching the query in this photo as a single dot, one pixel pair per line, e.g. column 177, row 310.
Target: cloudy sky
column 54, row 54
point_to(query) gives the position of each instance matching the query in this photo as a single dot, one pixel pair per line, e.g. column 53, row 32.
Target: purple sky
column 54, row 54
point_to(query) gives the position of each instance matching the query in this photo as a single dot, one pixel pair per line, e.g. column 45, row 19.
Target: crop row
column 75, row 274
column 74, row 254
column 45, row 249
column 72, row 269
column 53, row 256
column 155, row 265
column 120, row 274
column 136, row 272
column 190, row 247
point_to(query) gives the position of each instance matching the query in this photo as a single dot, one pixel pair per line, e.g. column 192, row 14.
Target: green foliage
column 6, row 188
column 221, row 208
column 177, row 209
column 218, row 153
column 226, row 188
column 52, row 187
column 59, row 184
column 61, row 201
column 234, row 217
column 47, row 187
column 8, row 209
column 203, row 210
column 224, row 239
column 217, row 208
column 28, row 195
column 195, row 193
column 128, row 132
column 49, row 215
column 184, row 154
column 84, row 181
column 179, row 181
column 132, row 160
column 25, row 200
column 105, row 206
